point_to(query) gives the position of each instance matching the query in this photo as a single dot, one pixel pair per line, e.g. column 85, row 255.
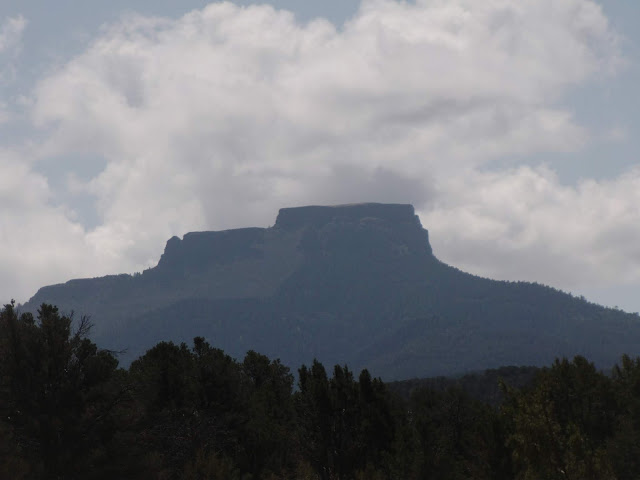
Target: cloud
column 40, row 245
column 218, row 118
column 11, row 30
column 504, row 223
column 11, row 33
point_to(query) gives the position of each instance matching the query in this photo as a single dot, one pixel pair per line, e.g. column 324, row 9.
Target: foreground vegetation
column 67, row 411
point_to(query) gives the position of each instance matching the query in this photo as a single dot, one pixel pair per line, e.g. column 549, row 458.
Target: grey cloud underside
column 348, row 184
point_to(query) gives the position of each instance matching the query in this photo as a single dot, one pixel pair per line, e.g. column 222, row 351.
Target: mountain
column 355, row 284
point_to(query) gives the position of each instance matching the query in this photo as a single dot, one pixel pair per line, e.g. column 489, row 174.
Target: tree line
column 67, row 411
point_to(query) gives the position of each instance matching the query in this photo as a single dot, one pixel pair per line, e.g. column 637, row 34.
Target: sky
column 512, row 126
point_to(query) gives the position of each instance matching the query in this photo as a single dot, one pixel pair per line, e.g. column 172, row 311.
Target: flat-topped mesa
column 317, row 216
column 398, row 218
column 199, row 250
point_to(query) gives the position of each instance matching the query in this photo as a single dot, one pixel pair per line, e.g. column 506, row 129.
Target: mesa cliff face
column 397, row 223
column 354, row 284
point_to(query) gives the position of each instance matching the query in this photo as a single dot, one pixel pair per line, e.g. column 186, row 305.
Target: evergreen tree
column 624, row 447
column 58, row 394
column 562, row 425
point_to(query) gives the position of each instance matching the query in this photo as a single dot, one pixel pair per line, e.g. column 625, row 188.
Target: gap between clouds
column 217, row 119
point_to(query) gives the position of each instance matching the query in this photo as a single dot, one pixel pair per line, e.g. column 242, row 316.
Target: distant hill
column 355, row 284
column 483, row 386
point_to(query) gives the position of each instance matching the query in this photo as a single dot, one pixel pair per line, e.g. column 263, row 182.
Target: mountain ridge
column 355, row 284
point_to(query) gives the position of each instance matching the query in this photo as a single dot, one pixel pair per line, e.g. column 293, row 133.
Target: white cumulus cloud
column 40, row 244
column 524, row 220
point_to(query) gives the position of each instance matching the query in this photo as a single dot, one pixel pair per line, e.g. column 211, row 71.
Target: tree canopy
column 193, row 412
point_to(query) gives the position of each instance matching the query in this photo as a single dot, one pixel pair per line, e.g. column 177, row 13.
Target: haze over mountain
column 355, row 284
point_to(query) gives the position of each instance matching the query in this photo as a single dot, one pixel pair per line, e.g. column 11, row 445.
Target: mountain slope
column 354, row 284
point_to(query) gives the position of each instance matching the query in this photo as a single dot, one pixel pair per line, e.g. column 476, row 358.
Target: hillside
column 355, row 284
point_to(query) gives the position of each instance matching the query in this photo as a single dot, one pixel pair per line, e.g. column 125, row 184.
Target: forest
column 68, row 411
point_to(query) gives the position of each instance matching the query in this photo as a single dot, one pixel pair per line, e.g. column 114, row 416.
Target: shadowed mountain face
column 355, row 284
